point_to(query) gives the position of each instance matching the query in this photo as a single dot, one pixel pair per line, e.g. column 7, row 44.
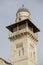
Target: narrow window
column 34, row 55
column 19, row 52
column 23, row 51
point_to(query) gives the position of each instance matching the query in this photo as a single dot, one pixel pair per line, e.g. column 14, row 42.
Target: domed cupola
column 22, row 14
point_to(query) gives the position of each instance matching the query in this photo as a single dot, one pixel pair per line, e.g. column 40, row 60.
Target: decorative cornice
column 17, row 36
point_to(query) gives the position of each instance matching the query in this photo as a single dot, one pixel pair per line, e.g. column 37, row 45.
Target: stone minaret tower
column 23, row 37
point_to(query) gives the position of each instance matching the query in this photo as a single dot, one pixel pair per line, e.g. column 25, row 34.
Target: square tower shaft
column 24, row 39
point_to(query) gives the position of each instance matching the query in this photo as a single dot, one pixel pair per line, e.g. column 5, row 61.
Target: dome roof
column 23, row 9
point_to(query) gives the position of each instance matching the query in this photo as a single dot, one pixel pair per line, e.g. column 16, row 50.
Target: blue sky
column 8, row 9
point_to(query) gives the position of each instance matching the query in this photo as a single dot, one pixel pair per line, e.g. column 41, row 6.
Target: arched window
column 34, row 55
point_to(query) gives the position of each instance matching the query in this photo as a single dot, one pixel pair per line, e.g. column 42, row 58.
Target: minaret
column 23, row 37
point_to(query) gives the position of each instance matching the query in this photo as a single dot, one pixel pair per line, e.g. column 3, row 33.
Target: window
column 19, row 52
column 23, row 51
column 34, row 55
column 20, row 49
column 14, row 29
column 22, row 26
column 19, row 19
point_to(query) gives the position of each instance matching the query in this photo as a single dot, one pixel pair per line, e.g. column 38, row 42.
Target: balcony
column 22, row 31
